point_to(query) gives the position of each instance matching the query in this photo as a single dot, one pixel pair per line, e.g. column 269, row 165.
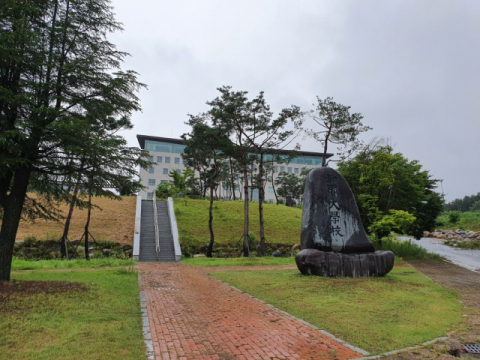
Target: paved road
column 468, row 259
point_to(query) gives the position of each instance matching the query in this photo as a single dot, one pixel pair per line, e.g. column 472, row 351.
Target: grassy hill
column 469, row 220
column 282, row 223
column 115, row 222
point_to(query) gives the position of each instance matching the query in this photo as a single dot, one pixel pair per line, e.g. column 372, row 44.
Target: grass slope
column 282, row 223
column 469, row 220
column 103, row 322
column 115, row 222
column 375, row 314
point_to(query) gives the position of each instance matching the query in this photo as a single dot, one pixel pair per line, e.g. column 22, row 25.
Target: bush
column 32, row 249
column 453, row 217
column 407, row 250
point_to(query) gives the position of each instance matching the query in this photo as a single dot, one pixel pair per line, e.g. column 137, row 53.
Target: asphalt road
column 468, row 259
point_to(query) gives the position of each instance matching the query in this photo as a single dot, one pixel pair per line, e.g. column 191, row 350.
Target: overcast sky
column 412, row 68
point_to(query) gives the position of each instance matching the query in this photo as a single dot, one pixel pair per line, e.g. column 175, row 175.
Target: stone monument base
column 331, row 264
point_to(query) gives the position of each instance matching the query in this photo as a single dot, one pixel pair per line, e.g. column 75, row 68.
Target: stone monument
column 333, row 240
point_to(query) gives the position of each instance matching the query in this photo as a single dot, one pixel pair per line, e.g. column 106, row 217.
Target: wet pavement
column 468, row 259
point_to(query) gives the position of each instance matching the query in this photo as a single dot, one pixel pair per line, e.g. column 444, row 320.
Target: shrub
column 453, row 217
column 407, row 250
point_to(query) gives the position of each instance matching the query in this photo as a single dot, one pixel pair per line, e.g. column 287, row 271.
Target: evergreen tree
column 57, row 69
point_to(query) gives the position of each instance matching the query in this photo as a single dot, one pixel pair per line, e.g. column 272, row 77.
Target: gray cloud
column 410, row 67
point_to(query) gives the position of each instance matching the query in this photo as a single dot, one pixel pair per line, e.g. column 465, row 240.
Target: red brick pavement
column 193, row 316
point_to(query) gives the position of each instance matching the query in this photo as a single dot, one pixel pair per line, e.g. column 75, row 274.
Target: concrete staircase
column 147, row 233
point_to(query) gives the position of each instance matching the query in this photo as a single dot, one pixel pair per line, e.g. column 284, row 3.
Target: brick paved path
column 193, row 316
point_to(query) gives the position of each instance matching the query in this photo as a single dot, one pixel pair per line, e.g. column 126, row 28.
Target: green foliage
column 63, row 101
column 453, row 217
column 468, row 203
column 382, row 181
column 475, row 206
column 407, row 250
column 290, row 185
column 375, row 314
column 396, row 221
column 33, row 249
column 181, row 183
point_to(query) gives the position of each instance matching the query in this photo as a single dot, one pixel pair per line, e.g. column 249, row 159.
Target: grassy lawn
column 250, row 261
column 71, row 315
column 19, row 264
column 282, row 223
column 469, row 220
column 375, row 314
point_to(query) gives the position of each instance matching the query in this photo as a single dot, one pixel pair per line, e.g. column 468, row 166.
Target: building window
column 177, row 160
column 167, row 159
column 151, row 170
column 150, row 158
column 282, row 168
column 178, row 171
column 165, row 171
column 159, row 159
column 275, row 169
column 151, row 182
column 289, row 170
column 269, row 178
column 184, row 161
column 295, row 170
column 270, row 190
column 149, row 196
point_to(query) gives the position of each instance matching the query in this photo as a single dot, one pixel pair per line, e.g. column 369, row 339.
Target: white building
column 167, row 153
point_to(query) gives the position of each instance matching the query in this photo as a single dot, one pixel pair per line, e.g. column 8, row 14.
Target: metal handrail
column 155, row 222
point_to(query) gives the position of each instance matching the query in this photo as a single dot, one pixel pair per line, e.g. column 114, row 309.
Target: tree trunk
column 87, row 225
column 210, row 212
column 63, row 243
column 325, row 145
column 232, row 178
column 274, row 190
column 12, row 212
column 246, row 250
column 261, row 197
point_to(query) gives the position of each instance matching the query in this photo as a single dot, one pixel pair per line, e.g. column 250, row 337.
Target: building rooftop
column 142, row 138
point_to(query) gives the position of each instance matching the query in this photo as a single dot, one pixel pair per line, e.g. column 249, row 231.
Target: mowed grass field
column 376, row 314
column 115, row 222
column 71, row 315
column 282, row 223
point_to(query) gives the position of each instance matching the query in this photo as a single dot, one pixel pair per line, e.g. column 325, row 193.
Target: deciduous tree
column 382, row 180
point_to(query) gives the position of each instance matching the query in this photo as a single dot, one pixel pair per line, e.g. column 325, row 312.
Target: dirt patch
column 115, row 222
column 466, row 284
column 21, row 290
